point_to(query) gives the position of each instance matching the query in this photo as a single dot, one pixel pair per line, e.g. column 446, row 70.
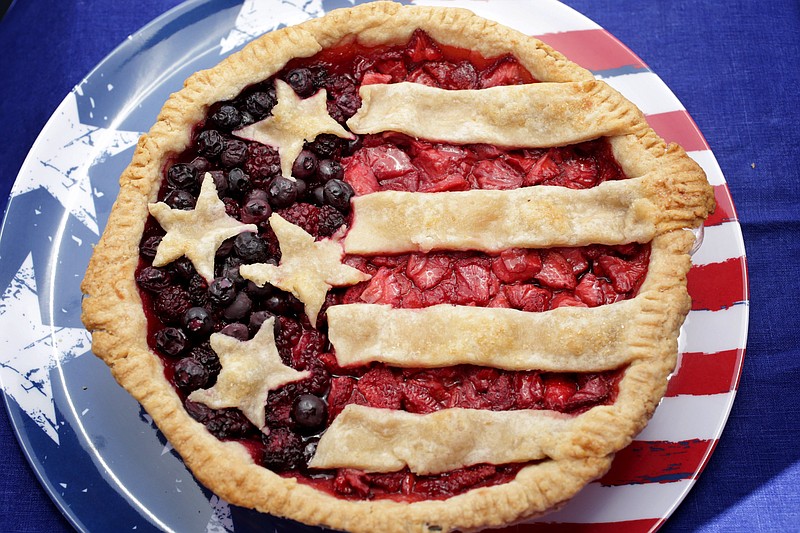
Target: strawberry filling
column 183, row 308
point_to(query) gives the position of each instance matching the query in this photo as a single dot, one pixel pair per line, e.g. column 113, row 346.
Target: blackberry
column 171, row 303
column 234, row 153
column 204, row 355
column 330, row 220
column 262, row 161
column 209, row 143
column 304, row 215
column 229, row 424
column 198, row 290
column 326, row 145
column 283, row 450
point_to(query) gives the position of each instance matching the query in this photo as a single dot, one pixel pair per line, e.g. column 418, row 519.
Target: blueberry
column 153, row 279
column 326, row 145
column 198, row 323
column 259, row 104
column 234, row 153
column 305, row 166
column 227, row 117
column 282, row 192
column 220, row 182
column 239, row 308
column 309, row 412
column 183, row 268
column 250, row 248
column 221, row 291
column 149, row 247
column 236, row 330
column 259, row 292
column 170, row 341
column 182, row 176
column 230, row 270
column 180, row 199
column 257, row 319
column 301, row 80
column 209, row 143
column 255, row 211
column 189, row 374
column 317, row 195
column 338, row 193
column 238, row 182
column 329, row 170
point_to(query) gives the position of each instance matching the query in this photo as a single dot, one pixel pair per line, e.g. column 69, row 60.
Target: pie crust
column 667, row 194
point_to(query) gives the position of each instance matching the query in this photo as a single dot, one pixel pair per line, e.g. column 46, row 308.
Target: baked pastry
column 397, row 269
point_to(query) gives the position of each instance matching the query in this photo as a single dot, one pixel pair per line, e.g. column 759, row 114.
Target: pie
column 397, row 269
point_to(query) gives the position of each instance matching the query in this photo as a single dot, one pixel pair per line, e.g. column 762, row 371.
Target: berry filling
column 183, row 309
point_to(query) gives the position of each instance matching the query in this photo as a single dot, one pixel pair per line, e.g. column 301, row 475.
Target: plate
column 93, row 447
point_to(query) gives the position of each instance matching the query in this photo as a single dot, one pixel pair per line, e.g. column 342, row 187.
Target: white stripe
column 715, row 331
column 647, row 91
column 543, row 17
column 688, row 417
column 720, row 243
column 598, row 504
column 706, row 159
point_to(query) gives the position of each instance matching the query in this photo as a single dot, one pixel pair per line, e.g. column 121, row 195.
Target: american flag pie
column 399, row 269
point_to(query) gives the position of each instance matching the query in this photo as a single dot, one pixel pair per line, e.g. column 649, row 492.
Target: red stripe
column 628, row 526
column 678, row 127
column 595, row 50
column 657, row 462
column 725, row 210
column 717, row 286
column 701, row 374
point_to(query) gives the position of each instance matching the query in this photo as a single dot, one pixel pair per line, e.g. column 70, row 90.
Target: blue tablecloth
column 735, row 66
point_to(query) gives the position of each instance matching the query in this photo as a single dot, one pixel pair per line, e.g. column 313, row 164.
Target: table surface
column 734, row 66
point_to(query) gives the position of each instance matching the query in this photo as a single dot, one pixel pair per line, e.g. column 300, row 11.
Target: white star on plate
column 71, row 148
column 32, row 352
column 196, row 233
column 293, row 121
column 308, row 268
column 250, row 369
column 257, row 17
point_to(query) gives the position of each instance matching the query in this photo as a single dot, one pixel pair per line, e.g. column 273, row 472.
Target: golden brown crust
column 112, row 308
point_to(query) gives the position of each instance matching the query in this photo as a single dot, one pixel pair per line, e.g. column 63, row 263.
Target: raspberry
column 349, row 481
column 455, row 480
column 262, row 162
column 381, row 388
column 288, row 334
column 171, row 303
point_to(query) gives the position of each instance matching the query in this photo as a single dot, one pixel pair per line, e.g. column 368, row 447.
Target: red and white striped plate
column 650, row 478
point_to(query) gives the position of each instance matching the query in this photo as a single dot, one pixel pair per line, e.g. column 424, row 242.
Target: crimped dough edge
column 112, row 308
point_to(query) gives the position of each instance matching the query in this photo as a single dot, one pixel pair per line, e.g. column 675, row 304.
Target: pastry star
column 250, row 369
column 196, row 233
column 293, row 121
column 308, row 268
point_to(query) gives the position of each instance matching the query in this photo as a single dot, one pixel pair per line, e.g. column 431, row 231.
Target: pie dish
column 473, row 303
